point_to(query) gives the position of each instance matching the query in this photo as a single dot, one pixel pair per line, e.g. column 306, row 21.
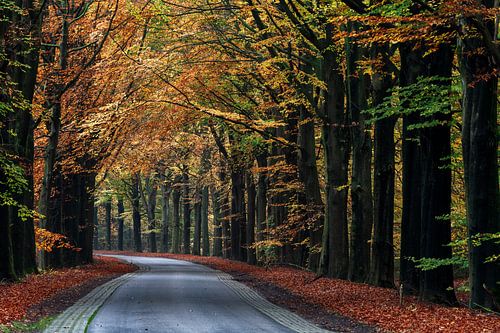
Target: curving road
column 177, row 296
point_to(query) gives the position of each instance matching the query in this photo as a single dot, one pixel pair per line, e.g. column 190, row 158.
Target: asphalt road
column 177, row 296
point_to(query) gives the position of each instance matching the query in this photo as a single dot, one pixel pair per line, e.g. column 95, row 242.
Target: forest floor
column 346, row 306
column 28, row 305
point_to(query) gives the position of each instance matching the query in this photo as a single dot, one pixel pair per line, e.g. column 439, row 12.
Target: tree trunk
column 107, row 207
column 250, row 227
column 261, row 201
column 150, row 203
column 136, row 212
column 20, row 50
column 361, row 181
column 119, row 220
column 335, row 249
column 237, row 213
column 382, row 269
column 204, row 221
column 216, row 212
column 96, row 228
column 176, row 199
column 165, row 215
column 197, row 223
column 186, row 213
column 480, row 151
column 411, row 69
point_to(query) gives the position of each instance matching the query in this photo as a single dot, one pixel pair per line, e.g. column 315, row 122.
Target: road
column 177, row 296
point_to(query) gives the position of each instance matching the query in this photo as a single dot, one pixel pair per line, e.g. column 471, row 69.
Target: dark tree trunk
column 225, row 213
column 437, row 285
column 204, row 221
column 216, row 212
column 150, row 204
column 20, row 46
column 250, row 227
column 480, row 151
column 335, row 249
column 77, row 211
column 96, row 227
column 165, row 215
column 119, row 220
column 361, row 181
column 136, row 212
column 311, row 196
column 186, row 203
column 7, row 271
column 261, row 200
column 382, row 268
column 411, row 69
column 176, row 200
column 197, row 223
column 237, row 214
column 107, row 207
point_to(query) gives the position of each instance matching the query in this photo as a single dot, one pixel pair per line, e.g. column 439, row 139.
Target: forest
column 354, row 139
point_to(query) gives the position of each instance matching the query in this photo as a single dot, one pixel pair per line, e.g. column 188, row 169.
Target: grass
column 19, row 326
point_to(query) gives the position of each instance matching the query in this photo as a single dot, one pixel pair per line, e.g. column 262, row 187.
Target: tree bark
column 197, row 223
column 176, row 199
column 382, row 268
column 261, row 200
column 119, row 220
column 480, row 152
column 107, row 207
column 361, row 181
column 335, row 248
column 166, row 190
column 216, row 212
column 237, row 213
column 204, row 221
column 186, row 203
column 250, row 227
column 96, row 228
column 136, row 212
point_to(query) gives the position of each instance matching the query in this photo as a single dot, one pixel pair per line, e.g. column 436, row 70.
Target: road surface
column 177, row 296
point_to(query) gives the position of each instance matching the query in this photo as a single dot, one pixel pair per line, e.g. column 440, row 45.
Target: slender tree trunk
column 176, row 199
column 480, row 152
column 186, row 213
column 382, row 268
column 308, row 175
column 119, row 220
column 237, row 211
column 204, row 221
column 96, row 227
column 261, row 200
column 136, row 212
column 150, row 203
column 7, row 271
column 216, row 212
column 107, row 207
column 361, row 181
column 165, row 215
column 335, row 249
column 250, row 185
column 197, row 223
column 411, row 68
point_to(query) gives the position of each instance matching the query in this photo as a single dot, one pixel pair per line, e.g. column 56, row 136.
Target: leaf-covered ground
column 18, row 298
column 361, row 302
